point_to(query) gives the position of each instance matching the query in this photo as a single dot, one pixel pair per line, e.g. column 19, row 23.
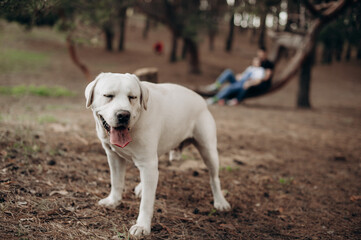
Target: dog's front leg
column 117, row 167
column 149, row 180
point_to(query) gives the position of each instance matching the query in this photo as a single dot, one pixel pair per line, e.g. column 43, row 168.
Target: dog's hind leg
column 205, row 136
column 176, row 154
column 138, row 190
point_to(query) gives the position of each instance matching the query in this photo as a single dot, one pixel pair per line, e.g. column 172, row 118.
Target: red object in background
column 158, row 47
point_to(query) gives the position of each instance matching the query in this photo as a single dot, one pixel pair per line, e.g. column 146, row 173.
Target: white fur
column 162, row 117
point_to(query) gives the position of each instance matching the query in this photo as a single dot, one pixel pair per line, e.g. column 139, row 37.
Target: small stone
column 52, row 162
column 340, row 158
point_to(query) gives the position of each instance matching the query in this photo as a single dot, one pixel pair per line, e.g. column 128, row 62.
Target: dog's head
column 117, row 100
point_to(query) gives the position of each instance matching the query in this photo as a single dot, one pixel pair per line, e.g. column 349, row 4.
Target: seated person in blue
column 256, row 79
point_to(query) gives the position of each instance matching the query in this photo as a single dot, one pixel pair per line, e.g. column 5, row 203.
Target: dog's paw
column 138, row 230
column 222, row 205
column 110, row 202
column 138, row 190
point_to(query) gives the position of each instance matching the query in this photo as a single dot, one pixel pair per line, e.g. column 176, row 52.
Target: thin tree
column 183, row 20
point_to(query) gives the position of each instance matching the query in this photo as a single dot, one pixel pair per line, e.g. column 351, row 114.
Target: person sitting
column 236, row 87
column 258, row 84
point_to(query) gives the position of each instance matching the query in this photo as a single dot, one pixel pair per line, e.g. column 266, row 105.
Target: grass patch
column 43, row 91
column 56, row 152
column 61, row 107
column 46, row 119
column 122, row 235
column 212, row 212
column 185, row 157
column 229, row 168
column 285, row 181
column 28, row 149
column 15, row 60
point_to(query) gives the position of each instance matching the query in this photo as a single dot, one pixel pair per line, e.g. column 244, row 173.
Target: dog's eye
column 108, row 95
column 132, row 97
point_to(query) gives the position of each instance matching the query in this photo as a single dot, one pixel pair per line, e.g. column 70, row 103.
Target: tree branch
column 75, row 59
column 335, row 9
column 312, row 8
column 308, row 44
column 326, row 10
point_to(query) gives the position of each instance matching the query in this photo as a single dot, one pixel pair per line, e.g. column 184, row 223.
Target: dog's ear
column 89, row 91
column 144, row 93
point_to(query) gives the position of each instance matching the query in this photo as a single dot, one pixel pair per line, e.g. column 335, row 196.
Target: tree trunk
column 146, row 28
column 292, row 9
column 303, row 95
column 253, row 35
column 184, row 49
column 109, row 37
column 193, row 56
column 359, row 51
column 75, row 59
column 211, row 37
column 327, row 54
column 149, row 74
column 338, row 49
column 348, row 52
column 338, row 54
column 261, row 40
column 229, row 41
column 122, row 20
column 173, row 53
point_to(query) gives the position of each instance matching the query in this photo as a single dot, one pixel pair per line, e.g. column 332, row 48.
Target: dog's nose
column 123, row 116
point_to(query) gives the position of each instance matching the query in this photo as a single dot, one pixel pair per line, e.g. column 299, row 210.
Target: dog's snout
column 123, row 117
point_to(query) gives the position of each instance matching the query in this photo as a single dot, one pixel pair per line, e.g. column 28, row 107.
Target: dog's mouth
column 119, row 136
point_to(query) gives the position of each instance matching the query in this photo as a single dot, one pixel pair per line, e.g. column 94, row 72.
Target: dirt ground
column 288, row 173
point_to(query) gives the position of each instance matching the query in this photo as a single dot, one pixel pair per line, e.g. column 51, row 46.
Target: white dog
column 139, row 121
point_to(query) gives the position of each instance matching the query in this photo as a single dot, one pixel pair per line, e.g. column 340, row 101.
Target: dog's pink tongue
column 120, row 138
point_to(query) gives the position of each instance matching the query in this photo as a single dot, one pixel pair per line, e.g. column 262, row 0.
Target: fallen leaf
column 4, row 153
column 355, row 198
column 236, row 182
column 70, row 209
column 61, row 192
column 49, row 183
column 80, row 139
column 228, row 226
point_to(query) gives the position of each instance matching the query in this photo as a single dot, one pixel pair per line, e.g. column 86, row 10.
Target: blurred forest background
column 290, row 159
column 295, row 28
